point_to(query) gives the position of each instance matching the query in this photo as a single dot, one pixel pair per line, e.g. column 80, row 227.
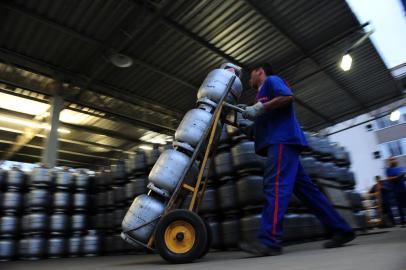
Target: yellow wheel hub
column 180, row 236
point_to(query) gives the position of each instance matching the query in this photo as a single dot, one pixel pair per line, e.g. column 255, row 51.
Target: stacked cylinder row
column 50, row 213
column 326, row 161
column 44, row 213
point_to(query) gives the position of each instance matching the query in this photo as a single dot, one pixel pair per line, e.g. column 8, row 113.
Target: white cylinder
column 143, row 210
column 215, row 84
column 168, row 169
column 193, row 125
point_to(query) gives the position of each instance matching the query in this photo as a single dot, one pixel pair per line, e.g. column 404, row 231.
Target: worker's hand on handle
column 252, row 112
column 242, row 106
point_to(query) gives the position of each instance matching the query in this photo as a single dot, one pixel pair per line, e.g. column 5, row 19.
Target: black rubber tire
column 209, row 240
column 201, row 235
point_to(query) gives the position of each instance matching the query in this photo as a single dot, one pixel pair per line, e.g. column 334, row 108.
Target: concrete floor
column 379, row 250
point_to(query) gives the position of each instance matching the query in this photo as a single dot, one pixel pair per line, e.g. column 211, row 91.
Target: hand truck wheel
column 181, row 236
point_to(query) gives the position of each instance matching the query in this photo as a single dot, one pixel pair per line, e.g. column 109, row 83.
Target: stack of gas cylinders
column 176, row 164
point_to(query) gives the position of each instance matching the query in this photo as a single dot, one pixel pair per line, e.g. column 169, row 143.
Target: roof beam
column 24, row 138
column 217, row 51
column 28, row 13
column 140, row 26
column 282, row 31
column 61, row 160
column 172, row 25
column 60, row 151
column 75, row 141
column 79, row 142
column 89, row 129
column 201, row 41
column 101, row 131
column 324, row 46
column 99, row 44
column 315, row 112
column 46, row 69
column 371, row 107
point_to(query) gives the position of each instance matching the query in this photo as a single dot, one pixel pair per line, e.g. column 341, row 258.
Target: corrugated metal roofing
column 174, row 46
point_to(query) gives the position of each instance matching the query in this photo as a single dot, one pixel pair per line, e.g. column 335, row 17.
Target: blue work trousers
column 284, row 175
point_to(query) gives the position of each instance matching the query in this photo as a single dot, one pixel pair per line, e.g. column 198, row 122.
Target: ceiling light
column 30, row 124
column 63, row 130
column 11, row 130
column 121, row 60
column 155, row 138
column 20, row 122
column 98, row 149
column 145, row 147
column 23, row 105
column 395, row 116
column 72, row 117
column 346, row 62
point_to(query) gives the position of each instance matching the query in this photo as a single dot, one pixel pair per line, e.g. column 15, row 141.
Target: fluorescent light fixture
column 62, row 130
column 11, row 130
column 72, row 117
column 145, row 147
column 155, row 138
column 395, row 116
column 346, row 62
column 31, row 124
column 23, row 105
column 98, row 149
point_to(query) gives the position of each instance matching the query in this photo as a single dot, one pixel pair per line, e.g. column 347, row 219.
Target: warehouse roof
column 174, row 44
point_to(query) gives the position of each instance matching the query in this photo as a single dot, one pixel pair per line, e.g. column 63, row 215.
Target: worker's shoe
column 339, row 240
column 259, row 249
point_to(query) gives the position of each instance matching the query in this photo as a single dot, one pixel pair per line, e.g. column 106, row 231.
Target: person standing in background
column 382, row 191
column 396, row 177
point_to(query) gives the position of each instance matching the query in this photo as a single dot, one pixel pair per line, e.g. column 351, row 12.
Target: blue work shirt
column 278, row 125
column 396, row 171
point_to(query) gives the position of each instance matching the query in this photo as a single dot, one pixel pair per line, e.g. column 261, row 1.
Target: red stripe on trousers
column 275, row 211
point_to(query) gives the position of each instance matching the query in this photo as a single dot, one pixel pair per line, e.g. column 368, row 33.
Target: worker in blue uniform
column 383, row 191
column 279, row 137
column 396, row 178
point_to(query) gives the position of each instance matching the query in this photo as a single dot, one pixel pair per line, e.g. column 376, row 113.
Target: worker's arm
column 399, row 174
column 395, row 178
column 278, row 102
column 277, row 95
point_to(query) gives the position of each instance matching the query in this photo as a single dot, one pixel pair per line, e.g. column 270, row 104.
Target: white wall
column 361, row 144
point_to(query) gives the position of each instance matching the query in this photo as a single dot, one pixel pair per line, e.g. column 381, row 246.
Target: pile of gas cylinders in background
column 52, row 213
column 46, row 214
column 329, row 166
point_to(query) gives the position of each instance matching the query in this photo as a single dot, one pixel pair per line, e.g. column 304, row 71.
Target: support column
column 51, row 146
